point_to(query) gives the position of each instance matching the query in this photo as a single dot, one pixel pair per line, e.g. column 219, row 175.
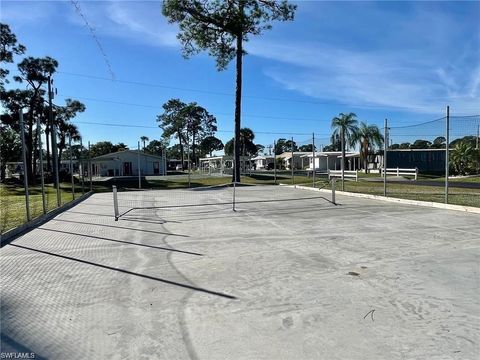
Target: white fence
column 401, row 172
column 346, row 174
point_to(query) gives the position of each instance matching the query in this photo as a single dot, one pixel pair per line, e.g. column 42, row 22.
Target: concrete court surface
column 270, row 281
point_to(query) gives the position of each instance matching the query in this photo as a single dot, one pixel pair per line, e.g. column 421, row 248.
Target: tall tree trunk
column 238, row 105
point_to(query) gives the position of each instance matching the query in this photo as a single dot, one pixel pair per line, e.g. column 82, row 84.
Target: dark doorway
column 127, row 168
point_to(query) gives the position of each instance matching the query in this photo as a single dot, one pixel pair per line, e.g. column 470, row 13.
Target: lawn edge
column 432, row 204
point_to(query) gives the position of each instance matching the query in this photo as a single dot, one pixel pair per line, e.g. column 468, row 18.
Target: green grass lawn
column 458, row 196
column 12, row 202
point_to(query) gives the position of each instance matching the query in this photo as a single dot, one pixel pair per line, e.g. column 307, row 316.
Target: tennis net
column 143, row 204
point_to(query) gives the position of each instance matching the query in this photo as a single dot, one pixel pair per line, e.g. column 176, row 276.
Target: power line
column 244, row 115
column 218, row 93
column 159, row 107
column 94, row 36
column 156, row 127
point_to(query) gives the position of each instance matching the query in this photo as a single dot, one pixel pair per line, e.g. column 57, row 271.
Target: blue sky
column 404, row 61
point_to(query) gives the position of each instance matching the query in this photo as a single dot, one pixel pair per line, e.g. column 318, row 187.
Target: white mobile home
column 331, row 160
column 223, row 164
column 299, row 161
column 262, row 162
column 127, row 163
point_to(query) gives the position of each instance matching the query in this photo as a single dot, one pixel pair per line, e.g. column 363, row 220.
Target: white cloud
column 137, row 21
column 141, row 21
column 421, row 62
column 26, row 12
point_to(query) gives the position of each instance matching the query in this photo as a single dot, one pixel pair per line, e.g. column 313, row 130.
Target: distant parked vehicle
column 179, row 167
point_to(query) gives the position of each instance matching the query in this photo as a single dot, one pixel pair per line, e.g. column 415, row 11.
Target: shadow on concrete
column 247, row 211
column 165, row 281
column 120, row 227
column 91, row 214
column 9, row 345
column 121, row 241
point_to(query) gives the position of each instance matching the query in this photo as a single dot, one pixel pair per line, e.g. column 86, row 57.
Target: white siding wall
column 118, row 168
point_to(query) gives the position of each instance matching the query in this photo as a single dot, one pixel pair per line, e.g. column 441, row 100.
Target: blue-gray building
column 426, row 160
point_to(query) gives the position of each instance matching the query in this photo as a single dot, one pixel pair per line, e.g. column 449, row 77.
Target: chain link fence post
column 81, row 168
column 313, row 160
column 385, row 146
column 40, row 151
column 90, row 167
column 71, row 167
column 25, row 172
column 274, row 162
column 292, row 164
column 447, row 142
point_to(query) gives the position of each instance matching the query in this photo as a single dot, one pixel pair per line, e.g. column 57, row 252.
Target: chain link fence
column 416, row 164
column 41, row 181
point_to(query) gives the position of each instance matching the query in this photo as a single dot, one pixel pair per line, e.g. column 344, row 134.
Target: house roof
column 117, row 155
column 223, row 157
column 261, row 157
column 333, row 153
column 409, row 150
column 288, row 154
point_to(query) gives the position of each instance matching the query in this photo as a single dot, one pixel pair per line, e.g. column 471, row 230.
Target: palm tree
column 345, row 126
column 144, row 139
column 66, row 130
column 463, row 157
column 367, row 136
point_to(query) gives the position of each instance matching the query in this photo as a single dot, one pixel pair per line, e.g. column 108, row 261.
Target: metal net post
column 115, row 203
column 333, row 191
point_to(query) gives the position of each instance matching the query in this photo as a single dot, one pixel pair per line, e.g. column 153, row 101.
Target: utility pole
column 54, row 139
column 447, row 141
